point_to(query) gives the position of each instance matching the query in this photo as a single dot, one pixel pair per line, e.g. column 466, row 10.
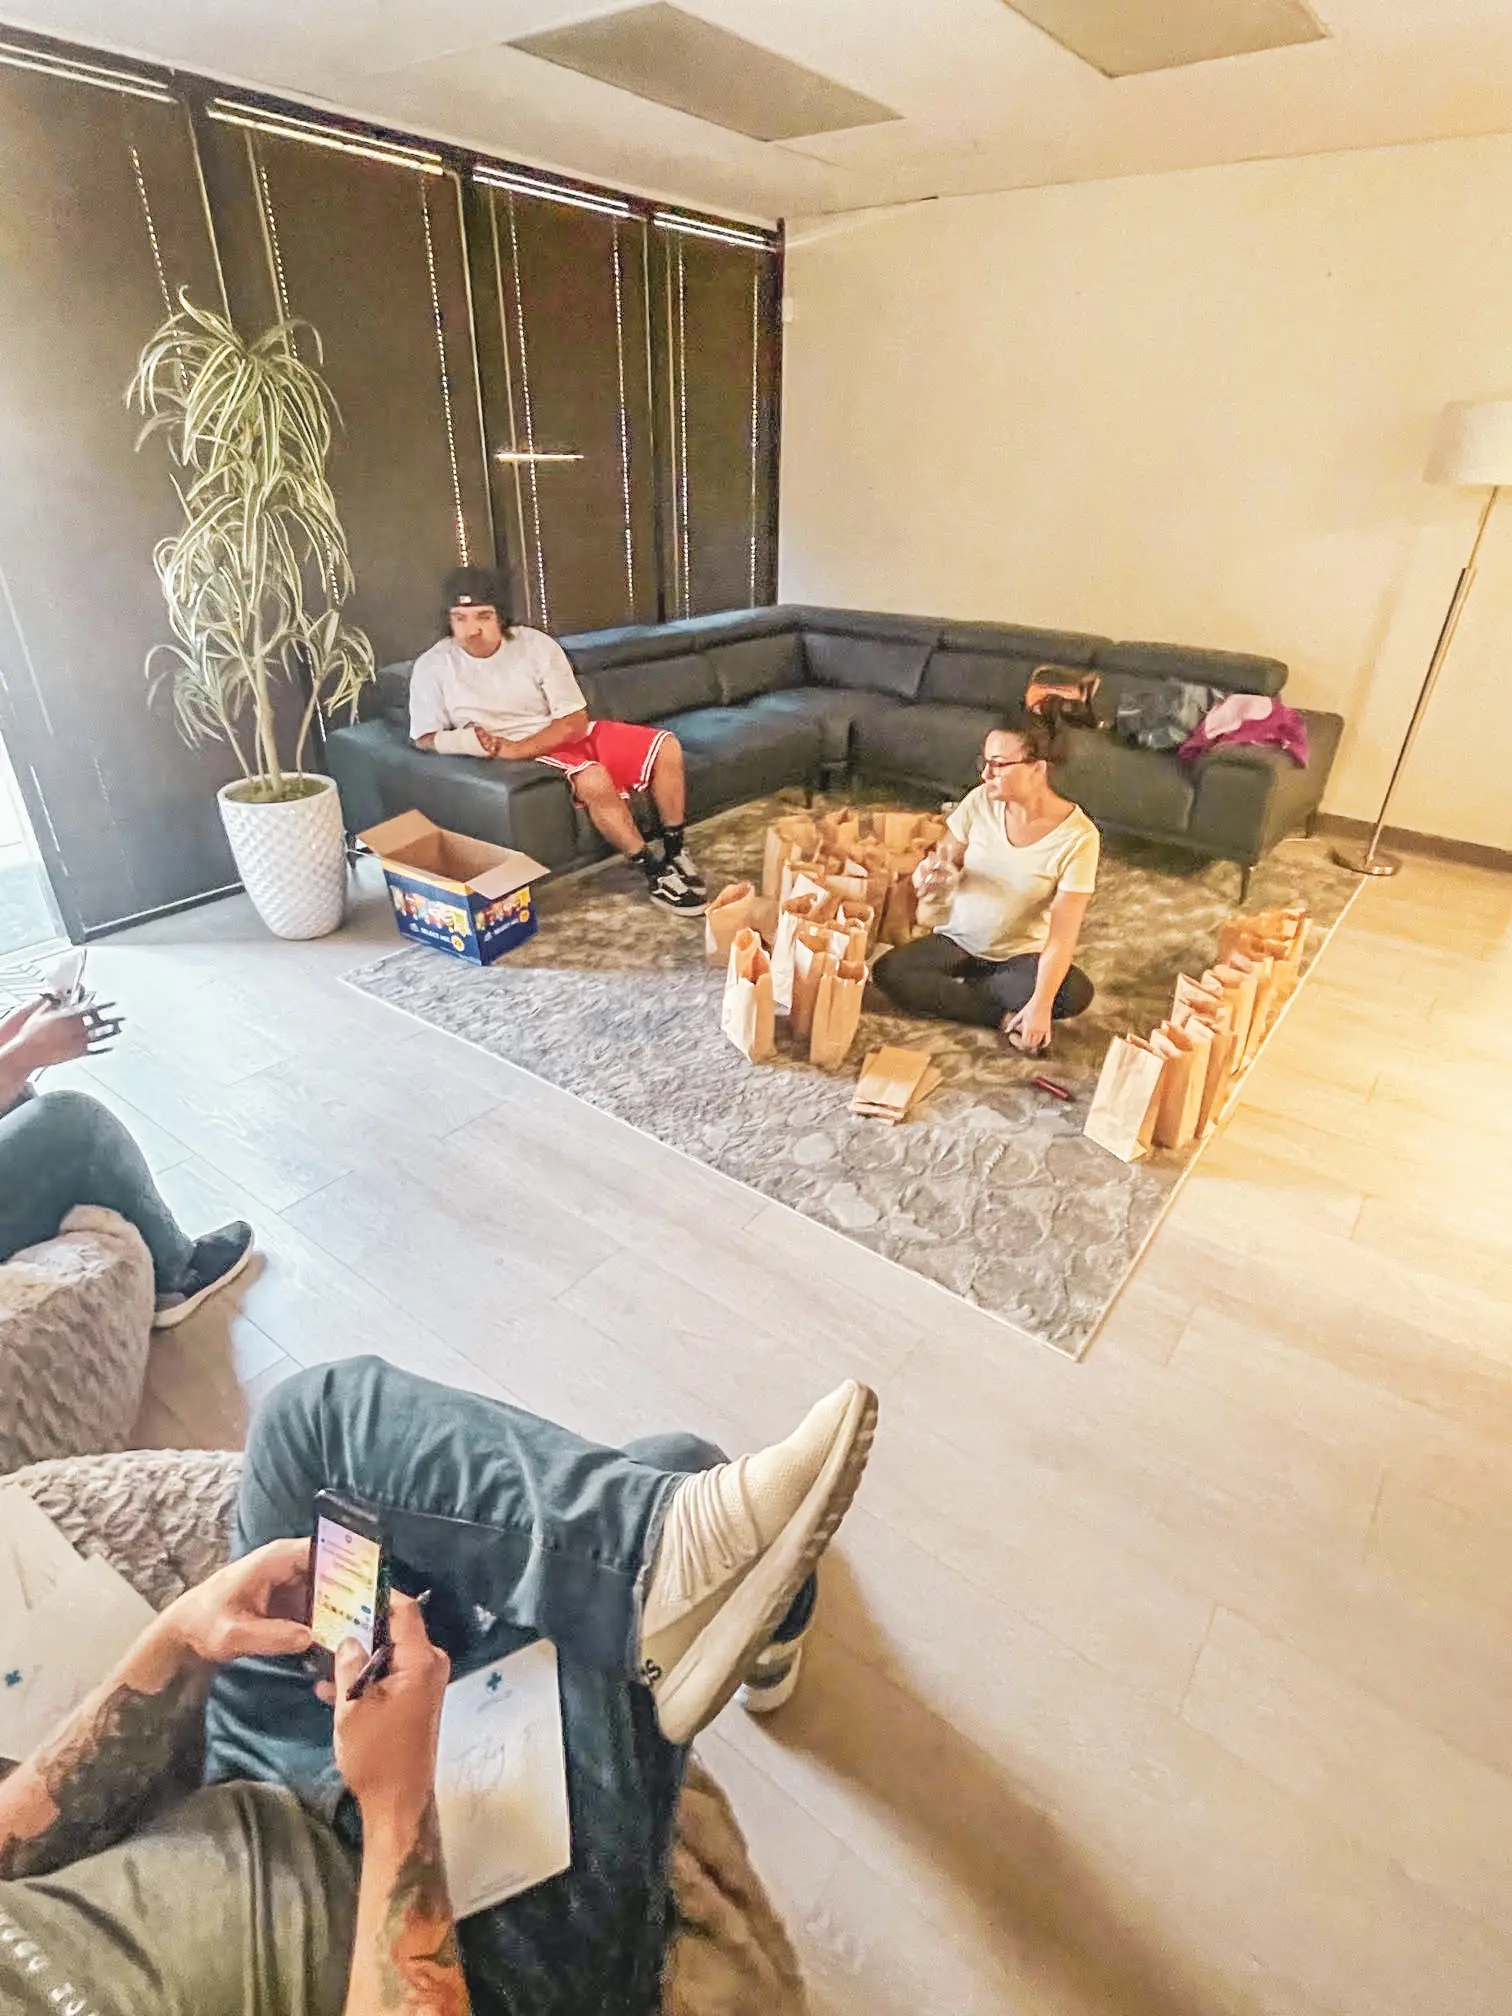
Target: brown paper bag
column 859, row 922
column 837, row 1012
column 898, row 830
column 1218, row 1062
column 811, row 948
column 764, row 918
column 732, row 910
column 1239, row 991
column 747, row 1015
column 801, row 876
column 787, row 838
column 1121, row 1117
column 814, row 909
column 897, row 922
column 849, row 885
column 1258, row 972
column 840, row 829
column 1182, row 1083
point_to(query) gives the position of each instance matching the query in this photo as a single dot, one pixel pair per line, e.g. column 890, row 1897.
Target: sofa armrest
column 1250, row 796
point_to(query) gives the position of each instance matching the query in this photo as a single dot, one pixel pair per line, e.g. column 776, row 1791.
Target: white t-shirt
column 521, row 689
column 1002, row 906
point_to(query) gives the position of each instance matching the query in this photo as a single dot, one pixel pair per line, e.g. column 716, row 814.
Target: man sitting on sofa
column 306, row 1878
column 492, row 689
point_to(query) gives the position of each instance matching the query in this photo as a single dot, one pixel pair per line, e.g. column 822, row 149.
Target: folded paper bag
column 747, row 1017
column 837, row 1012
column 732, row 910
column 811, row 948
column 1121, row 1117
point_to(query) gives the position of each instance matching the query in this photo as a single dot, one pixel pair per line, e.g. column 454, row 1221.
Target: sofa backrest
column 1234, row 671
column 989, row 664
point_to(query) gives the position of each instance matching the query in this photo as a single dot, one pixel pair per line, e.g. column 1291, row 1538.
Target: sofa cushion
column 734, row 753
column 630, row 643
column 758, row 665
column 977, row 679
column 835, row 710
column 930, row 743
column 380, row 773
column 868, row 664
column 1235, row 671
column 386, row 698
column 649, row 690
column 1134, row 788
column 1019, row 640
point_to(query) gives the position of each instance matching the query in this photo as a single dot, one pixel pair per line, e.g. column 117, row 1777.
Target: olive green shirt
column 235, row 1903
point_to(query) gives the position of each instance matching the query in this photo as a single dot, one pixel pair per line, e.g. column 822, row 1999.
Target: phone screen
column 347, row 1567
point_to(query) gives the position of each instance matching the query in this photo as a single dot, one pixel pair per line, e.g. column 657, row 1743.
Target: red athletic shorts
column 626, row 750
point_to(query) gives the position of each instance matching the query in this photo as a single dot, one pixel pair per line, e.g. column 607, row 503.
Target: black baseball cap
column 476, row 587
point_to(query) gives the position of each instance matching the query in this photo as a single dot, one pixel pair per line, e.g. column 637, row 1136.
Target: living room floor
column 1169, row 1683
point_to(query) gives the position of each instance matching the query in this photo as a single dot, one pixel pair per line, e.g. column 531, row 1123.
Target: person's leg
column 1008, row 984
column 934, row 976
column 522, row 1530
column 600, row 799
column 669, row 790
column 64, row 1148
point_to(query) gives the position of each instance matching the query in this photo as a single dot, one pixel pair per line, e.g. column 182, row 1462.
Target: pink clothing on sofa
column 1248, row 718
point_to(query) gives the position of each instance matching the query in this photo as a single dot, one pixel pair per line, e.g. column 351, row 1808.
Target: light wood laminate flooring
column 1172, row 1683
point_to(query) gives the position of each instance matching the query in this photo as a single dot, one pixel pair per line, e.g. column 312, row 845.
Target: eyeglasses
column 990, row 765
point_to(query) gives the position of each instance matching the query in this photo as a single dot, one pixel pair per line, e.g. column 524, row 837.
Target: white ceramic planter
column 291, row 858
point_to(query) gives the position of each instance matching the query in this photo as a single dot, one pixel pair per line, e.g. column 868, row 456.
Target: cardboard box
column 466, row 897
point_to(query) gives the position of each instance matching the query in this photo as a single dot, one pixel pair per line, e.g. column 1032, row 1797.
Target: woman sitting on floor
column 1005, row 897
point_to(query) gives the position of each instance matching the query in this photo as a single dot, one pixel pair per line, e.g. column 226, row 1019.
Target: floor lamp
column 1473, row 448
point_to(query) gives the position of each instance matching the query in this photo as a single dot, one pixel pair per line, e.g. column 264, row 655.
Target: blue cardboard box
column 463, row 896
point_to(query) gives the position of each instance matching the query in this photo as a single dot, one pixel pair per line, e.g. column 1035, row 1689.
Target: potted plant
column 255, row 582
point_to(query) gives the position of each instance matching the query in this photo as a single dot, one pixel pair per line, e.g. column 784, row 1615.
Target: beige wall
column 1192, row 407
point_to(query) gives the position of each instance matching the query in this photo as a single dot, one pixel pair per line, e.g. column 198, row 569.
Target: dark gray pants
column 935, row 976
column 60, row 1149
column 521, row 1530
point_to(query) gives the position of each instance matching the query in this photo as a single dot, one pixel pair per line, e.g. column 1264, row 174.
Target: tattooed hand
column 386, row 1739
column 251, row 1608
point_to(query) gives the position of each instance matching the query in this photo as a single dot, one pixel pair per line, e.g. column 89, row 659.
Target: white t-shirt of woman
column 1002, row 904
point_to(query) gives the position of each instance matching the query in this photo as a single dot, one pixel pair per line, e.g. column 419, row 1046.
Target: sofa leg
column 1245, row 874
column 1310, row 824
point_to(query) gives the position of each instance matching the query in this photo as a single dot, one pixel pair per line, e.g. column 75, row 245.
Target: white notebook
column 501, row 1780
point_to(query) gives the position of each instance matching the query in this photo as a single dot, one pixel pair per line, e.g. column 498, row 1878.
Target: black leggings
column 935, row 976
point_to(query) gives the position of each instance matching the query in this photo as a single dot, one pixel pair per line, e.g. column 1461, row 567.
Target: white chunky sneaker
column 736, row 1545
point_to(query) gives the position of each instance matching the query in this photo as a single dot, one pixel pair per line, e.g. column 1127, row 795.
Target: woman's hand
column 1029, row 1030
column 61, row 1035
column 386, row 1739
column 251, row 1608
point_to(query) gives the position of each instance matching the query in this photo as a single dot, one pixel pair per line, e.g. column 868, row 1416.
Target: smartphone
column 349, row 1580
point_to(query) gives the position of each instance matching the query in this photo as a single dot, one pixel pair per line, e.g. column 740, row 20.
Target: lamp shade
column 1473, row 443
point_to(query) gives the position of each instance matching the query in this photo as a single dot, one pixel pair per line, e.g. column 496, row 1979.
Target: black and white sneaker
column 685, row 866
column 217, row 1258
column 672, row 892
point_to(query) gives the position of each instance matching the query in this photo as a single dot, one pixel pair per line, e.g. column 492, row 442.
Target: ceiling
column 985, row 100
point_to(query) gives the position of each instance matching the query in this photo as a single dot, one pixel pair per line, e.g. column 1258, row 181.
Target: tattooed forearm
column 83, row 1790
column 406, row 1957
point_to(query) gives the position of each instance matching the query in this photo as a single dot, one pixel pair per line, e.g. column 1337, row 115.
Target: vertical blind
column 555, row 378
column 718, row 306
column 101, row 223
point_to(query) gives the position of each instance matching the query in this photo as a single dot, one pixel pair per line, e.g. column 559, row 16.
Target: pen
column 379, row 1664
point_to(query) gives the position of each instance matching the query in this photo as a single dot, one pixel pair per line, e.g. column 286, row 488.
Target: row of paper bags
column 860, row 854
column 824, row 1000
column 1164, row 1090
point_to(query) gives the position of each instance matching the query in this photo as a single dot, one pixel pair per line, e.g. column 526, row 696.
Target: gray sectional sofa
column 762, row 698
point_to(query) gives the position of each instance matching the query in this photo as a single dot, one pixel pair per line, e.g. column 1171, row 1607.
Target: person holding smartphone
column 1005, row 897
column 62, row 1149
column 306, row 1876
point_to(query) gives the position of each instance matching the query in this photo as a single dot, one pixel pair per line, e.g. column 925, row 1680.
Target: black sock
column 672, row 841
column 647, row 862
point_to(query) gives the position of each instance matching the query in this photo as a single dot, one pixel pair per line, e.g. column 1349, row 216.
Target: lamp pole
column 1367, row 860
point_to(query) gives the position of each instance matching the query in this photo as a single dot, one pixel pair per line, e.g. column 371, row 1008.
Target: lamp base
column 1363, row 862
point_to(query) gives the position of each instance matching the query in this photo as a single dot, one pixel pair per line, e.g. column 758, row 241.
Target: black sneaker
column 682, row 861
column 673, row 893
column 217, row 1258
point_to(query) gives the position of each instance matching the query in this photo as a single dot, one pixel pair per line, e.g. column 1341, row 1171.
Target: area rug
column 990, row 1189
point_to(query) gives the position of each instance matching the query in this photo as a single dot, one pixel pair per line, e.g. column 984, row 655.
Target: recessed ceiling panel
column 672, row 58
column 1126, row 38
